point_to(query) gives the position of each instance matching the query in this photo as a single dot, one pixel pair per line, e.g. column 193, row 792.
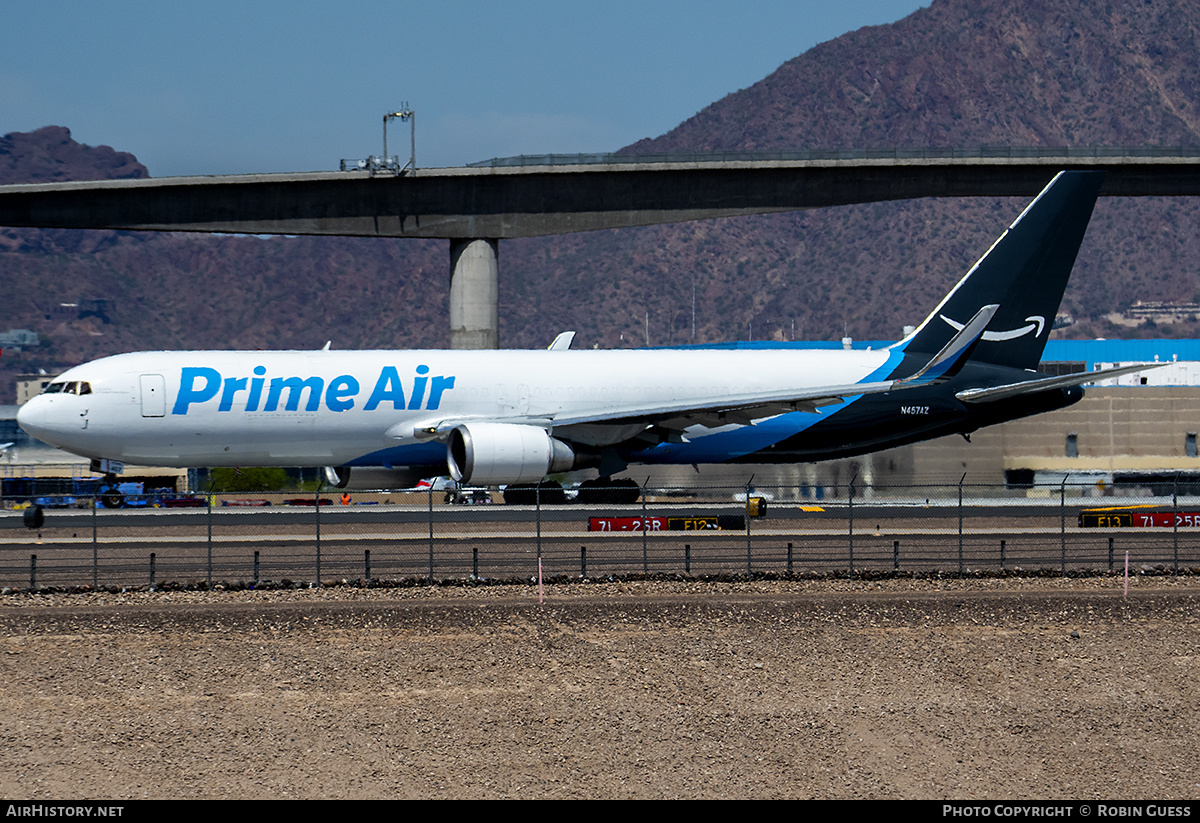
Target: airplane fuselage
column 374, row 408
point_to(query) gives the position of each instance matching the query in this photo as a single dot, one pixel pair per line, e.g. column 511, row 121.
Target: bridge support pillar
column 474, row 294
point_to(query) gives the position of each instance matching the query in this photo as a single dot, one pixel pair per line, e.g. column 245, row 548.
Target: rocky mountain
column 976, row 73
column 958, row 73
column 49, row 155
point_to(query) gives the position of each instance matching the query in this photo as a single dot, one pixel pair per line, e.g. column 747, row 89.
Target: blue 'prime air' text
column 200, row 384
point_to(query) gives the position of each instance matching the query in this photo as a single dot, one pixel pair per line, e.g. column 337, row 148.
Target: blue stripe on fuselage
column 419, row 454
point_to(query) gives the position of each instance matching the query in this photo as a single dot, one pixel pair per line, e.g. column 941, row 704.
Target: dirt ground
column 998, row 689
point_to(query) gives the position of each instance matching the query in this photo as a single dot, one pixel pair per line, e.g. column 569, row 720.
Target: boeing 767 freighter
column 511, row 417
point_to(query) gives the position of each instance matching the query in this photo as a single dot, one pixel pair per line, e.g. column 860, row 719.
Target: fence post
column 95, row 542
column 851, row 529
column 896, row 555
column 256, row 558
column 32, row 571
column 209, row 500
column 583, row 562
column 789, row 560
column 687, row 558
column 960, row 524
column 1110, row 554
column 1002, row 542
column 1062, row 524
column 317, row 512
column 1175, row 512
column 431, row 485
column 153, row 557
column 645, row 528
column 474, row 562
column 749, row 490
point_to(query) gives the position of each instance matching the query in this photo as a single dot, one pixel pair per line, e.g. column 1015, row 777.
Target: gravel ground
column 1000, row 689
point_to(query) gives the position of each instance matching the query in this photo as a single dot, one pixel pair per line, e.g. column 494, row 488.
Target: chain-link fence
column 302, row 537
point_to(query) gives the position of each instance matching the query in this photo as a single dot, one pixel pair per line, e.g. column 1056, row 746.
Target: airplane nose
column 31, row 417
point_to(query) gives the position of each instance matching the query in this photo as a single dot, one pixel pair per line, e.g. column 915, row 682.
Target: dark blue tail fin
column 1024, row 272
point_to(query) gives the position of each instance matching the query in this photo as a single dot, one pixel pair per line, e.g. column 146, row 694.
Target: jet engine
column 361, row 478
column 486, row 454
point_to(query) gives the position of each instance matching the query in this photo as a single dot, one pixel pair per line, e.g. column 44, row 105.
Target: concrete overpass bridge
column 477, row 206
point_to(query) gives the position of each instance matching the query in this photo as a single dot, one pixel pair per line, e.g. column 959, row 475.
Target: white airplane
column 391, row 418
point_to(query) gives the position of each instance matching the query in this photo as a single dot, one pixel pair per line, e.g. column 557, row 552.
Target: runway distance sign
column 1117, row 518
column 726, row 522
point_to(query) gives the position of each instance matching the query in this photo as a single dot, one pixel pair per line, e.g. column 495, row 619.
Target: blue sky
column 226, row 87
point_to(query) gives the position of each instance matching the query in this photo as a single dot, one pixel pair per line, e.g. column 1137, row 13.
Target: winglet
column 562, row 342
column 957, row 351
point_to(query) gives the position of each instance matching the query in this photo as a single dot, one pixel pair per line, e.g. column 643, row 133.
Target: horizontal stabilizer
column 1047, row 383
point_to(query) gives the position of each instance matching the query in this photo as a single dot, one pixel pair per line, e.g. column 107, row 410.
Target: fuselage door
column 513, row 401
column 154, row 395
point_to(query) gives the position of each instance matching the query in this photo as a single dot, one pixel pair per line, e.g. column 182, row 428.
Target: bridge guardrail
column 800, row 155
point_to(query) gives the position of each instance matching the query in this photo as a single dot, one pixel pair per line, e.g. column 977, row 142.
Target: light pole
column 387, row 163
column 405, row 113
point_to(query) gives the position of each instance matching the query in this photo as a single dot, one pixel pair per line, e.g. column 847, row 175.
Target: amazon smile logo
column 1036, row 324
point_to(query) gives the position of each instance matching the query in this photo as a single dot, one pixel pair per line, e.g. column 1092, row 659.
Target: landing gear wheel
column 527, row 494
column 605, row 491
column 34, row 517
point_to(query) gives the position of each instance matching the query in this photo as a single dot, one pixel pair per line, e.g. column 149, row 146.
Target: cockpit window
column 71, row 387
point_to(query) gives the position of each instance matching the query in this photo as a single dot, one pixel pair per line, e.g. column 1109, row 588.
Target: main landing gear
column 603, row 491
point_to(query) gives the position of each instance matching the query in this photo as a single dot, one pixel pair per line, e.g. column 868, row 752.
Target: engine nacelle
column 359, row 478
column 488, row 454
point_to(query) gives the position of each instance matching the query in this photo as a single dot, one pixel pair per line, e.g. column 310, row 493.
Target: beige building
column 1114, row 431
column 31, row 385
